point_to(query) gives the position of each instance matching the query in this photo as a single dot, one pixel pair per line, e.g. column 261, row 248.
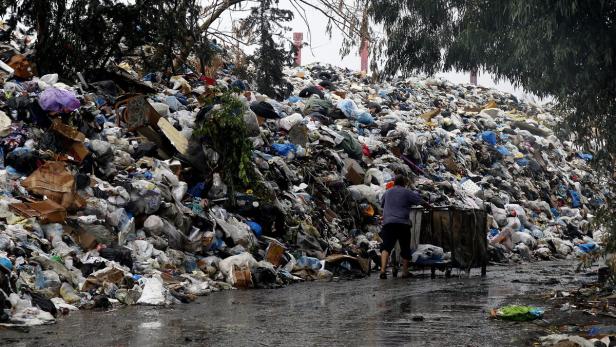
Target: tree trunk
column 42, row 10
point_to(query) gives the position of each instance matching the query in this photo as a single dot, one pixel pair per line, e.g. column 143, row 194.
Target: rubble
column 111, row 197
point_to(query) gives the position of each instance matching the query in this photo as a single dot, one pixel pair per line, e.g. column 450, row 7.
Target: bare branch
column 342, row 25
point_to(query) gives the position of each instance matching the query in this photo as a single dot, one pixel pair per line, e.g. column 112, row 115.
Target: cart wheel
column 448, row 273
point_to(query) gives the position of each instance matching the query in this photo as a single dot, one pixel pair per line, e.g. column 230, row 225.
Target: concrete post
column 298, row 40
column 363, row 53
column 474, row 76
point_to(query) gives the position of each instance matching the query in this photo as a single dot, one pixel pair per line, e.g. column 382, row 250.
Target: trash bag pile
column 604, row 340
column 111, row 193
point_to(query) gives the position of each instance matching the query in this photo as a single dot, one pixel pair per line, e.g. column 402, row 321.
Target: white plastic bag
column 240, row 260
column 153, row 292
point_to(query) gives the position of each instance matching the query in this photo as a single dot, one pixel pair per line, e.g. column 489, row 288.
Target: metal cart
column 459, row 231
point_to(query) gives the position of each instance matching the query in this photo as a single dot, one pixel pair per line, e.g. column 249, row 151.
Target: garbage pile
column 113, row 193
column 573, row 340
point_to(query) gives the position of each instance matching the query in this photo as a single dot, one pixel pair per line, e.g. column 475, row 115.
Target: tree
column 265, row 23
column 80, row 34
column 74, row 35
column 167, row 25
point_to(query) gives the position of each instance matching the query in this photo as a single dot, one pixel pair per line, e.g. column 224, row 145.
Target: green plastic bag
column 519, row 313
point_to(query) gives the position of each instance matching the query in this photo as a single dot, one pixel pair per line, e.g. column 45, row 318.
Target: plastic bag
column 154, row 225
column 283, row 149
column 58, row 100
column 153, row 292
column 308, row 263
column 518, row 313
column 489, row 137
column 255, row 228
column 179, row 191
column 68, row 293
column 252, row 124
column 238, row 231
column 287, row 123
column 365, row 118
column 218, row 189
column 348, row 108
column 524, row 238
column 575, row 199
column 503, row 150
column 425, row 253
column 241, row 260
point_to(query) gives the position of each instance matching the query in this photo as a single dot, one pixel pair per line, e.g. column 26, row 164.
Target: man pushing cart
column 397, row 203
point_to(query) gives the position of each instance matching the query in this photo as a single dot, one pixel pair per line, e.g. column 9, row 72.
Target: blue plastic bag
column 255, row 227
column 6, row 263
column 365, row 118
column 522, row 161
column 585, row 156
column 197, row 190
column 489, row 137
column 293, row 99
column 151, row 77
column 503, row 150
column 348, row 107
column 576, row 201
column 100, row 119
column 283, row 149
column 182, row 99
column 587, row 247
column 173, row 103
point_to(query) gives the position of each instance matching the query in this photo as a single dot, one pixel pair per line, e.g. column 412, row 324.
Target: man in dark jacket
column 397, row 203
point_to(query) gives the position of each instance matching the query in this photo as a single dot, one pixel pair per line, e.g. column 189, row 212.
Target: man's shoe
column 383, row 276
column 407, row 275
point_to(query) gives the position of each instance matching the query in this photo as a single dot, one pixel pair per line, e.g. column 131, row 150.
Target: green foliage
column 224, row 130
column 266, row 22
column 171, row 26
column 605, row 219
column 74, row 35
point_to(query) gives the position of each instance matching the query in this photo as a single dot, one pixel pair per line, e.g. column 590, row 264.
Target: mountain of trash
column 111, row 196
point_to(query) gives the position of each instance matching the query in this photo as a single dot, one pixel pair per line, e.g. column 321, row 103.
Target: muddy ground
column 369, row 312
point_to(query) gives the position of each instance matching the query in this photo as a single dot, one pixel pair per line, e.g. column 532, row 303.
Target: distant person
column 397, row 203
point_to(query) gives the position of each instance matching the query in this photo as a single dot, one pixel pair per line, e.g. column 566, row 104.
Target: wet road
column 367, row 312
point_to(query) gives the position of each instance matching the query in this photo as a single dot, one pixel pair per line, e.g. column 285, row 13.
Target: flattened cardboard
column 47, row 211
column 175, row 137
column 67, row 131
column 54, row 181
